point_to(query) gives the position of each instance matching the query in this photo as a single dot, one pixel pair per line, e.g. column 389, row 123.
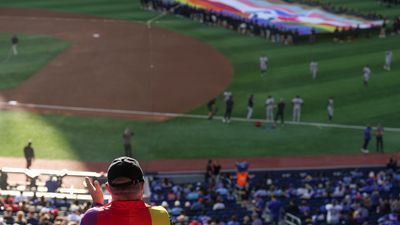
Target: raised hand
column 95, row 191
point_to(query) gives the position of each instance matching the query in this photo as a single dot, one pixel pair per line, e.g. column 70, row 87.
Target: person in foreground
column 126, row 186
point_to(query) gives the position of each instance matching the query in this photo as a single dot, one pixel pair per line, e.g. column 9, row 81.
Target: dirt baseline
column 128, row 67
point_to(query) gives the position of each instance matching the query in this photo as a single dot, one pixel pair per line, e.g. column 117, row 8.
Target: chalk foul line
column 175, row 115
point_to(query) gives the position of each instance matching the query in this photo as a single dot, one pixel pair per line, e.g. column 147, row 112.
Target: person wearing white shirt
column 388, row 60
column 333, row 212
column 263, row 64
column 367, row 72
column 297, row 102
column 314, row 69
column 269, row 104
column 218, row 205
column 330, row 108
column 20, row 198
column 227, row 95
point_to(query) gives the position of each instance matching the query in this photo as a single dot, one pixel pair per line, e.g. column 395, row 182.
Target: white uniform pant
column 388, row 62
column 270, row 113
column 296, row 114
column 330, row 111
column 14, row 50
column 314, row 74
column 249, row 112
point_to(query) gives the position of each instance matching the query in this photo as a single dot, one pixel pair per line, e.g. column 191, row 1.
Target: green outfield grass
column 34, row 52
column 340, row 76
column 80, row 138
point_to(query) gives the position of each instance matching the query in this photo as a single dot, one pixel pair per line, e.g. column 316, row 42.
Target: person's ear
column 108, row 187
column 142, row 188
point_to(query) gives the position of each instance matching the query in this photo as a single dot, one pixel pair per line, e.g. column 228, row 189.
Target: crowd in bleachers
column 336, row 196
column 22, row 210
column 358, row 196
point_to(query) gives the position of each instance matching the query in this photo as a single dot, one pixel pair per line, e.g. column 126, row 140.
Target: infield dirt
column 127, row 67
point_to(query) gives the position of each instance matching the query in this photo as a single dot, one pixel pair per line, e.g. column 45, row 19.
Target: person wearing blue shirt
column 367, row 138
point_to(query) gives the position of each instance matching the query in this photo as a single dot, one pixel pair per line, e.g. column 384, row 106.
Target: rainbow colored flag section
column 282, row 15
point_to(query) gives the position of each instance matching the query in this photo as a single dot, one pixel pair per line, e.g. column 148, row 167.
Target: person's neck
column 126, row 198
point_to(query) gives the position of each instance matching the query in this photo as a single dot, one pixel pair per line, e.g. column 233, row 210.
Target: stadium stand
column 365, row 196
column 361, row 195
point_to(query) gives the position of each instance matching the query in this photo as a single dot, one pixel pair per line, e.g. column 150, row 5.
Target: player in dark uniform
column 14, row 44
column 212, row 108
column 127, row 137
column 281, row 111
column 29, row 154
column 250, row 106
column 228, row 110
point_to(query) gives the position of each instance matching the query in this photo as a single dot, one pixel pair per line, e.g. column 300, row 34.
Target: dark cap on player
column 125, row 167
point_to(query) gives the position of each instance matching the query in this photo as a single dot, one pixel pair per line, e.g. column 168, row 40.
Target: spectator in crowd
column 218, row 205
column 392, row 164
column 275, row 207
column 20, row 198
column 177, row 209
column 3, row 180
column 242, row 174
column 333, row 212
column 20, row 220
column 360, row 214
column 126, row 186
column 209, row 171
column 233, row 221
column 74, row 216
column 216, row 171
column 52, row 184
column 256, row 219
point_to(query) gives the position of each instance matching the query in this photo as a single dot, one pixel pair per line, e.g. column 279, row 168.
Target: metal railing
column 291, row 219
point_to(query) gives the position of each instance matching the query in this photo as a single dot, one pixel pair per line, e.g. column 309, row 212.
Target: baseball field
column 176, row 66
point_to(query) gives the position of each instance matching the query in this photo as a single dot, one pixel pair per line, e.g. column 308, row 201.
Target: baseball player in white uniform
column 297, row 102
column 330, row 108
column 263, row 64
column 313, row 69
column 388, row 60
column 227, row 95
column 269, row 104
column 367, row 72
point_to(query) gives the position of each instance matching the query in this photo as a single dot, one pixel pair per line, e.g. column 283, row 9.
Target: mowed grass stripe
column 121, row 9
column 33, row 53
